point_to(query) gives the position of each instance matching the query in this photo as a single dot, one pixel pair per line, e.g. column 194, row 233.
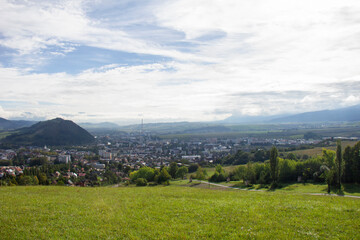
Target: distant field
column 318, row 150
column 211, row 170
column 173, row 212
column 4, row 134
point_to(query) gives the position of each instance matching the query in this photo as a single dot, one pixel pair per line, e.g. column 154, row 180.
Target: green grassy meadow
column 211, row 170
column 178, row 211
column 4, row 134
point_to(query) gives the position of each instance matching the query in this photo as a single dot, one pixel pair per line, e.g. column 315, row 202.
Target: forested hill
column 53, row 133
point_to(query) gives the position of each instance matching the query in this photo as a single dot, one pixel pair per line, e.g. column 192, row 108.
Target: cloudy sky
column 193, row 60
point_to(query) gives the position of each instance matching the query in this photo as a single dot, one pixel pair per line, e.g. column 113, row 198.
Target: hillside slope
column 14, row 124
column 53, row 132
column 173, row 212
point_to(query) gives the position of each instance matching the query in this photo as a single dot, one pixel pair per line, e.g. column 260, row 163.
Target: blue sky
column 176, row 60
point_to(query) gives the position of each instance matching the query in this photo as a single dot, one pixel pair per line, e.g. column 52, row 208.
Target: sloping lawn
column 172, row 212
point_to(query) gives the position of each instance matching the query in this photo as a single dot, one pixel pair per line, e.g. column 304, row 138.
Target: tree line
column 332, row 167
column 145, row 175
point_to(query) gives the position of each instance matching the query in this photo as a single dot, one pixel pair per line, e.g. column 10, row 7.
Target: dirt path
column 314, row 194
column 219, row 185
column 335, row 195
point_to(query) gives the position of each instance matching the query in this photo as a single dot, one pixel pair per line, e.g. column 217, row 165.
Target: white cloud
column 352, row 99
column 31, row 27
column 3, row 113
column 121, row 93
column 262, row 57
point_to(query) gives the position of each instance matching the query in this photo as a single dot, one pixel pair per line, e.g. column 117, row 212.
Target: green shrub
column 141, row 182
column 200, row 174
column 60, row 183
column 221, row 177
column 26, row 180
column 193, row 168
column 214, row 177
column 147, row 173
column 163, row 176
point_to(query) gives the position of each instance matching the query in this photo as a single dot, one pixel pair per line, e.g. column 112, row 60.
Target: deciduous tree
column 181, row 172
column 348, row 166
column 172, row 169
column 338, row 164
column 329, row 167
column 164, row 176
column 274, row 166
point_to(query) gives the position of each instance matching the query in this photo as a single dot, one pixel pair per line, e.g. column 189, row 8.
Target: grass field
column 4, row 134
column 211, row 170
column 173, row 212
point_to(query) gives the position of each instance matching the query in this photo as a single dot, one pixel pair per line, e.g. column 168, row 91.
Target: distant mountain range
column 235, row 119
column 52, row 132
column 14, row 124
column 177, row 127
column 348, row 114
column 58, row 133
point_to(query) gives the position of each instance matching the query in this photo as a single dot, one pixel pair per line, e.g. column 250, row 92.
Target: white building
column 105, row 154
column 64, row 158
column 191, row 157
column 98, row 165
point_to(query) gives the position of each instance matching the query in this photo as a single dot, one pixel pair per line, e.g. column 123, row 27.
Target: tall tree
column 348, row 166
column 356, row 161
column 173, row 169
column 181, row 172
column 250, row 173
column 274, row 166
column 338, row 164
column 219, row 169
column 329, row 167
column 200, row 173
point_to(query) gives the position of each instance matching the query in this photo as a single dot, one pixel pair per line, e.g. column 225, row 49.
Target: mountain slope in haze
column 234, row 119
column 102, row 125
column 208, row 129
column 175, row 127
column 14, row 124
column 349, row 114
column 53, row 133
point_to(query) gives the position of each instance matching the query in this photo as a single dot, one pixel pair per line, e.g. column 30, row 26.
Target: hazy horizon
column 171, row 61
